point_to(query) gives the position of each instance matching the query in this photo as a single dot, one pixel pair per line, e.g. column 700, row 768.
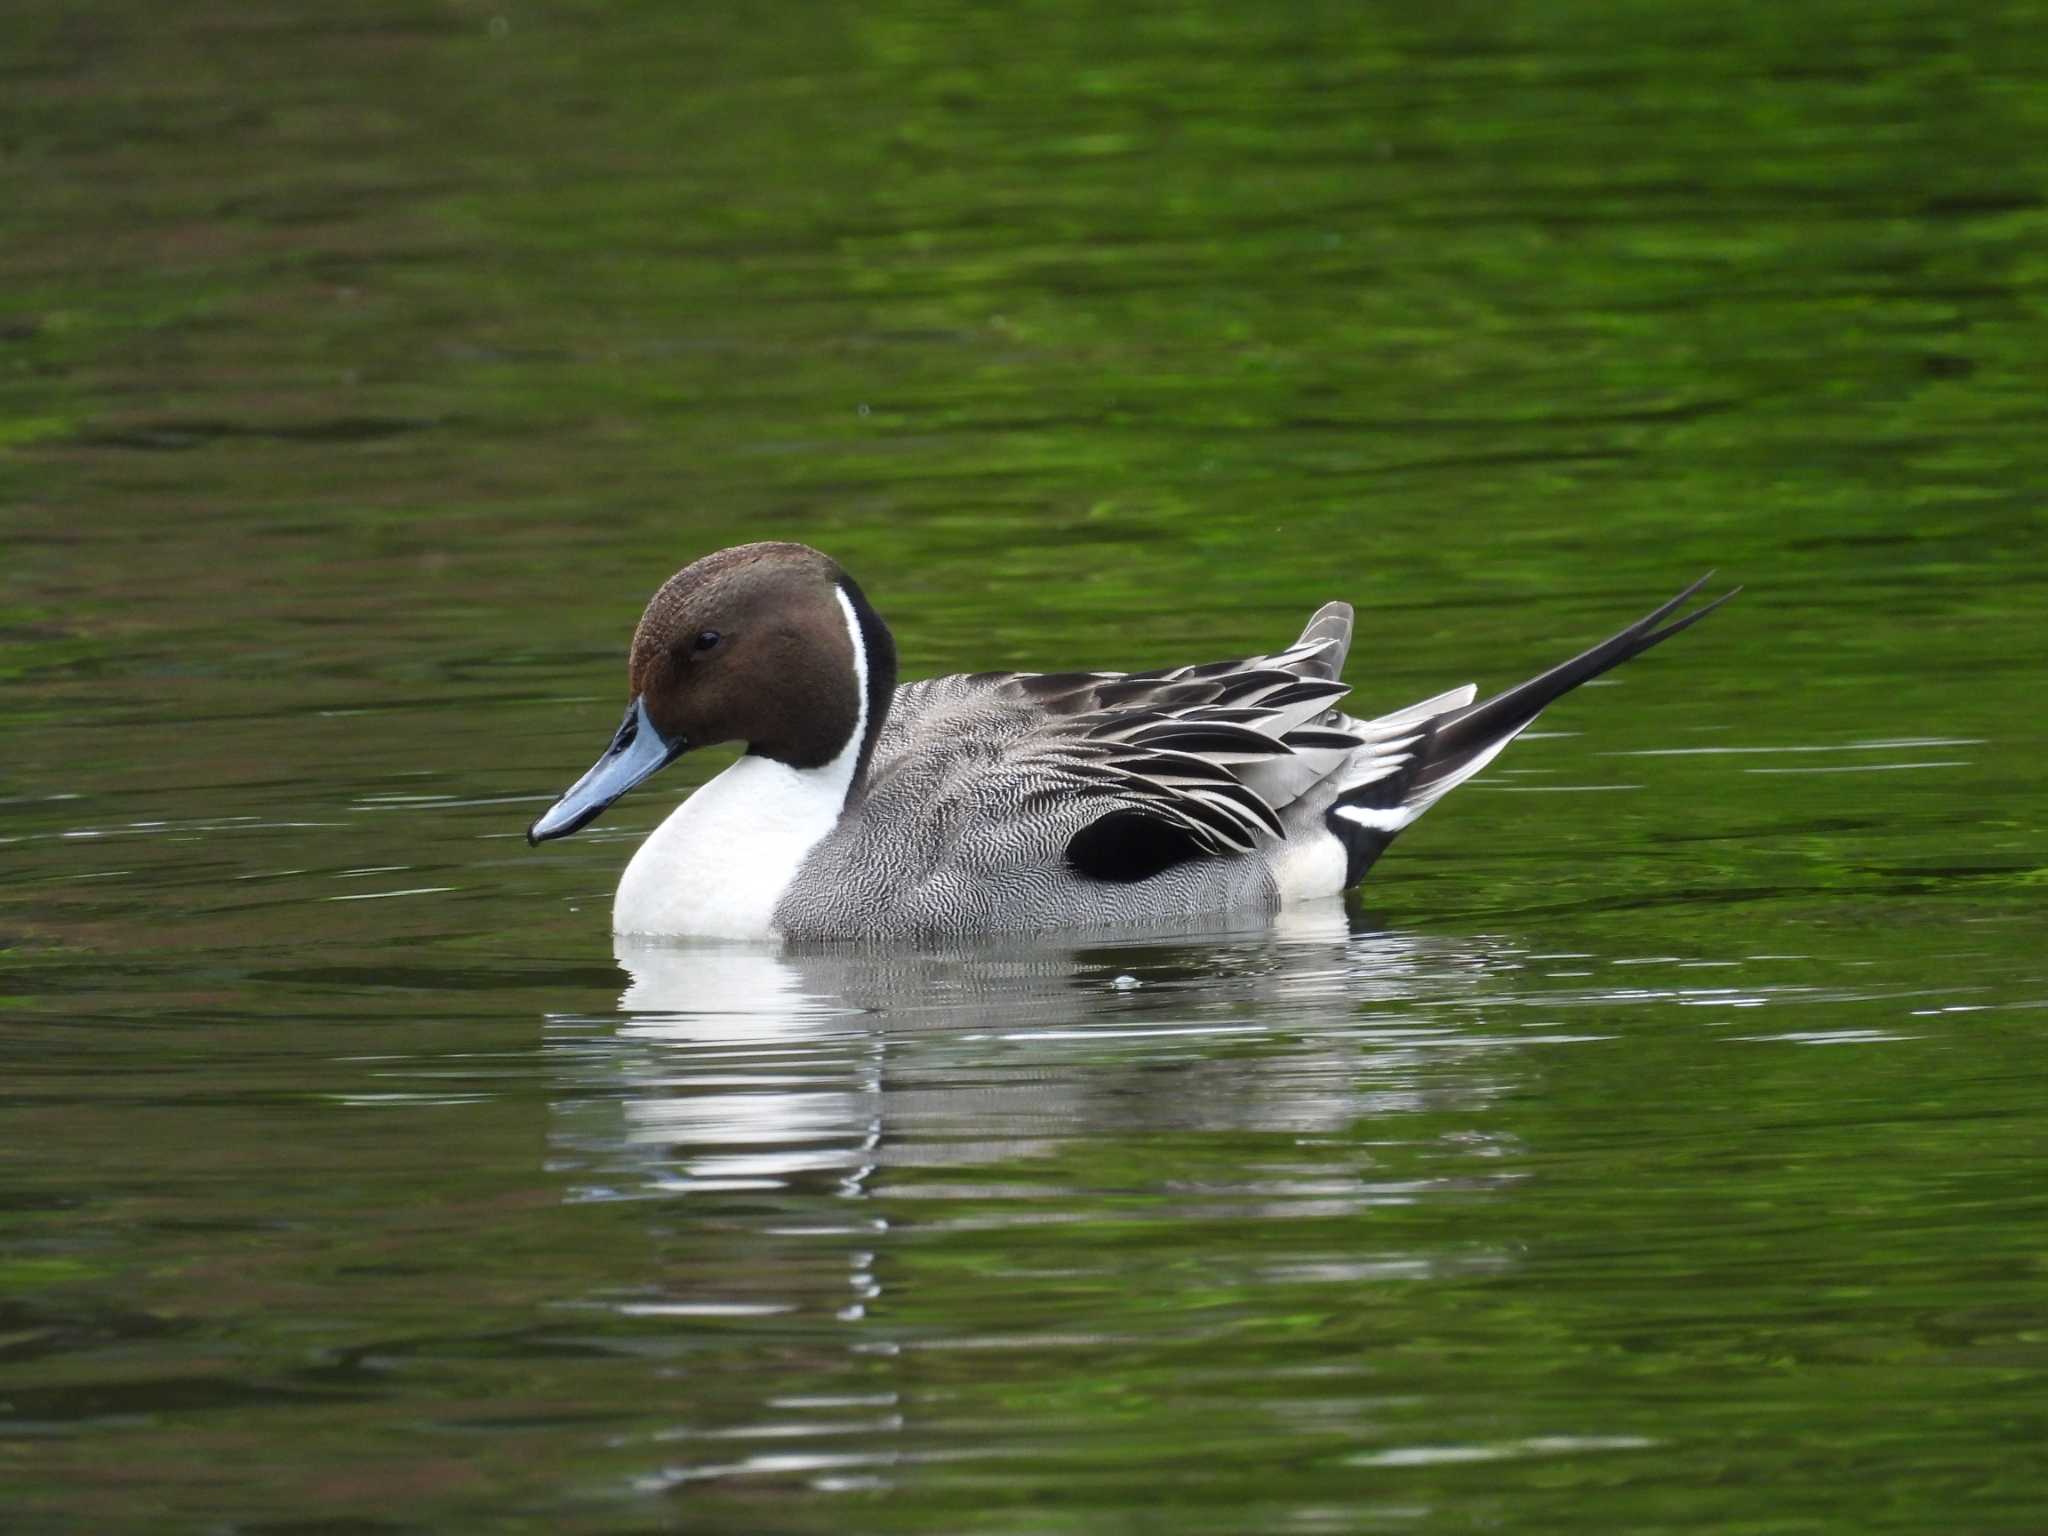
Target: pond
column 1654, row 1143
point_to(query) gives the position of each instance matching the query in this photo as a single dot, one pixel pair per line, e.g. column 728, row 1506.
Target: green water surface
column 1656, row 1145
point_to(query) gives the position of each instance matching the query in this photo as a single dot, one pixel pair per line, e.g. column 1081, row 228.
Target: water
column 1656, row 1144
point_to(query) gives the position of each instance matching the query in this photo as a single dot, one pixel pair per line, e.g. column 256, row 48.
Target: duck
column 1009, row 802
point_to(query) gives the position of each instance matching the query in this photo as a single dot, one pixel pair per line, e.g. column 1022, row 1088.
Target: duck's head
column 769, row 644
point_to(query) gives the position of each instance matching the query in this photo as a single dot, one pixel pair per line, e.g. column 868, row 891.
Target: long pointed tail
column 1451, row 747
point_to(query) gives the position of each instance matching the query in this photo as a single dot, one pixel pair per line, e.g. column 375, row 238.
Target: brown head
column 770, row 644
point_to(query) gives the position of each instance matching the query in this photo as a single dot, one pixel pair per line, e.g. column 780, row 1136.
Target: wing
column 1141, row 771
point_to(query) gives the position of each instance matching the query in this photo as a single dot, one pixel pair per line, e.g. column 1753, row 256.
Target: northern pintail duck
column 1008, row 801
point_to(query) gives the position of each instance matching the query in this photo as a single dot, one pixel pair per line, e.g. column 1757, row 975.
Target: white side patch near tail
column 1389, row 818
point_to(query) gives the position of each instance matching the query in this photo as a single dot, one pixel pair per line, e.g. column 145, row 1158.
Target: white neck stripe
column 860, row 684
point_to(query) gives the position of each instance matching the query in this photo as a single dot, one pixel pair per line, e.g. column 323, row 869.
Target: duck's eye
column 707, row 640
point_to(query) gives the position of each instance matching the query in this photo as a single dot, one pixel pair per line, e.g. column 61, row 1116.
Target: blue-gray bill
column 637, row 751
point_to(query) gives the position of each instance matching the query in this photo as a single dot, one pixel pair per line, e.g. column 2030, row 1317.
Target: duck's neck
column 721, row 863
column 874, row 666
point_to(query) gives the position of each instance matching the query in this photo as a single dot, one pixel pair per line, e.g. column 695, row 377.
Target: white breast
column 719, row 864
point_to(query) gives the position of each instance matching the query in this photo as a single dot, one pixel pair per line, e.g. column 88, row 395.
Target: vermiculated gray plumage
column 980, row 783
column 1016, row 801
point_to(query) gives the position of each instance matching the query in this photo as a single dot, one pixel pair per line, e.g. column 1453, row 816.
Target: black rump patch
column 1127, row 846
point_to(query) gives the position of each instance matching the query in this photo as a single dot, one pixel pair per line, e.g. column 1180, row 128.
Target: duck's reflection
column 846, row 1156
column 744, row 1069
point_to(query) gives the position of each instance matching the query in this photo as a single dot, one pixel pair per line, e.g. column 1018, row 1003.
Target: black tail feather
column 1462, row 736
column 1450, row 747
